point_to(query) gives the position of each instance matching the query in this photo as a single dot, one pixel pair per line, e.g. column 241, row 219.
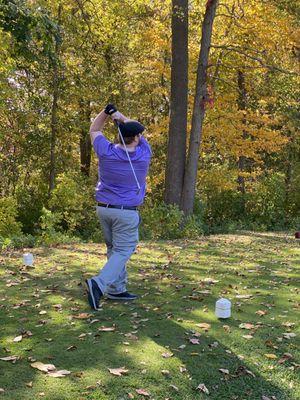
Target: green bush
column 9, row 226
column 30, row 200
column 161, row 221
column 17, row 242
column 193, row 227
column 223, row 207
column 50, row 233
column 68, row 200
column 56, row 238
column 266, row 204
column 73, row 200
column 50, row 221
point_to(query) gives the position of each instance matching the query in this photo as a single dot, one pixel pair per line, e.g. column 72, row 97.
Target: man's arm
column 97, row 125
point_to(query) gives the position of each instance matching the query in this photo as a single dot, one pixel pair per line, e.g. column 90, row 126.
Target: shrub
column 68, row 200
column 17, row 242
column 30, row 200
column 161, row 221
column 9, row 226
column 51, row 233
column 222, row 208
column 266, row 204
column 73, row 200
column 193, row 227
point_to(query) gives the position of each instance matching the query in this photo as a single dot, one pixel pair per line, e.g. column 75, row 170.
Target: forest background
column 62, row 61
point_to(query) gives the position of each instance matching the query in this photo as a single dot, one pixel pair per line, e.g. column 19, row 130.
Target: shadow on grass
column 163, row 320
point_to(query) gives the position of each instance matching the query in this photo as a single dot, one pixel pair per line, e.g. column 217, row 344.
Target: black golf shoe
column 94, row 293
column 122, row 296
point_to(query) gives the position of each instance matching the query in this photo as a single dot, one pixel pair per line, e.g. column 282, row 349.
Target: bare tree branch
column 260, row 60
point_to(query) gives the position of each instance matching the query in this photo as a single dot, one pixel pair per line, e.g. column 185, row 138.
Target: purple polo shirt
column 116, row 184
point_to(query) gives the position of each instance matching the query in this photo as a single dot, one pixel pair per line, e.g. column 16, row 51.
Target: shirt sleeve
column 145, row 145
column 101, row 145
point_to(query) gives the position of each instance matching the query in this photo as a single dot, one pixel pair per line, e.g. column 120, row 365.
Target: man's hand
column 117, row 116
column 110, row 109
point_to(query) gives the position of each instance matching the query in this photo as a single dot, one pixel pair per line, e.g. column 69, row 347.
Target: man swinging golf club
column 121, row 188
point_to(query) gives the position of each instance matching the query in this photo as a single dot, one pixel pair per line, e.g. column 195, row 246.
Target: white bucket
column 223, row 308
column 28, row 259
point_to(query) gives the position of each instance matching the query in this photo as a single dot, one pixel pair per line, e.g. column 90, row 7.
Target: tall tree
column 242, row 103
column 179, row 97
column 200, row 100
column 85, row 139
column 56, row 80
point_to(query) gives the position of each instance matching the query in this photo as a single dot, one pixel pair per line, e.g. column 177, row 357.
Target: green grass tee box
column 166, row 345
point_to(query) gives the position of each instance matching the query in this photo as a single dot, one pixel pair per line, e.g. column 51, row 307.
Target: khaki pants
column 120, row 229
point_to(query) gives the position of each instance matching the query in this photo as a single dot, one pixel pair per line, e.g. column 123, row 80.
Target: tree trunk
column 54, row 108
column 179, row 99
column 242, row 105
column 85, row 140
column 190, row 177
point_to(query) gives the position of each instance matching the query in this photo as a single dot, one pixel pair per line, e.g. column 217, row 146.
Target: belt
column 120, row 207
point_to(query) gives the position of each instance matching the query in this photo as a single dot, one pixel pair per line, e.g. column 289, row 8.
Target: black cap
column 131, row 128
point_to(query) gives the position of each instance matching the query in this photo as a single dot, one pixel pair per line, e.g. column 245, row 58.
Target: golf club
column 132, row 169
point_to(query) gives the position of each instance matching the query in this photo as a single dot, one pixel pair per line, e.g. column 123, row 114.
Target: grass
column 171, row 278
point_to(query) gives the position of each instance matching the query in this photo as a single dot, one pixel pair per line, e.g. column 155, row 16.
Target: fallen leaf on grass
column 29, row 384
column 244, row 296
column 261, row 313
column 202, row 388
column 142, row 392
column 241, row 370
column 107, row 329
column 175, row 388
column 50, row 369
column 43, row 367
column 204, row 326
column 247, row 337
column 284, row 358
column 91, row 387
column 59, row 374
column 118, row 371
column 270, row 356
column 82, row 316
column 2, row 390
column 210, row 281
column 94, row 320
column 269, row 343
column 70, row 348
column 167, row 355
column 224, row 371
column 131, row 336
column 246, row 326
column 165, row 372
column 288, row 324
column 194, row 341
column 10, row 358
column 18, row 338
column 289, row 335
column 226, row 328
